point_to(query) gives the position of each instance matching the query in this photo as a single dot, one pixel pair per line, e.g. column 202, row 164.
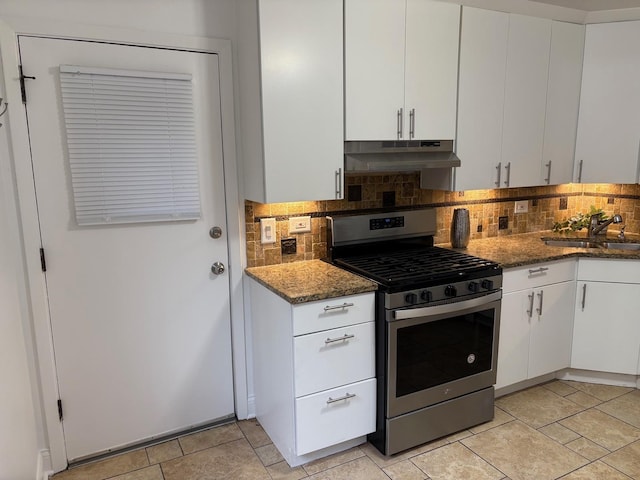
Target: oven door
column 441, row 352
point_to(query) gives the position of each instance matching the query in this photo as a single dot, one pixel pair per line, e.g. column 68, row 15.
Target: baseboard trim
column 605, row 378
column 44, row 468
column 251, row 407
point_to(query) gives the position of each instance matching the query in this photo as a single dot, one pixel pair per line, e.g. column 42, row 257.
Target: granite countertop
column 528, row 248
column 308, row 281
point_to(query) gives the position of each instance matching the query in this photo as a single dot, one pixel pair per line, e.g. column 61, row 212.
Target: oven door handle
column 446, row 308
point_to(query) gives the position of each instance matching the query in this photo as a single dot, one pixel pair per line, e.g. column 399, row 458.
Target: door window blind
column 131, row 145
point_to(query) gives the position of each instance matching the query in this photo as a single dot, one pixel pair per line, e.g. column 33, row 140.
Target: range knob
column 411, row 298
column 426, row 296
column 487, row 284
column 474, row 287
column 450, row 291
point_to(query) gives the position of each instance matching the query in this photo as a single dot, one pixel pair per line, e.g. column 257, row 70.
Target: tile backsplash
column 546, row 205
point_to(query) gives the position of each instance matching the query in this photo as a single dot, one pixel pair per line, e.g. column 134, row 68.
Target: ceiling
column 593, row 5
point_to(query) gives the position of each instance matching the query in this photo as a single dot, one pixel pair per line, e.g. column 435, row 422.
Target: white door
column 140, row 324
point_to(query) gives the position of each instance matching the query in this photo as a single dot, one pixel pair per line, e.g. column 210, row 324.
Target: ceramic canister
column 460, row 228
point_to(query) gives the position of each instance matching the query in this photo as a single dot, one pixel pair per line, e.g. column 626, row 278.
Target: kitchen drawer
column 322, row 360
column 321, row 423
column 608, row 270
column 333, row 313
column 537, row 275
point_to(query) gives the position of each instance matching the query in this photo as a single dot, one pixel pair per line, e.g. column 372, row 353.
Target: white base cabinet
column 606, row 333
column 314, row 372
column 536, row 321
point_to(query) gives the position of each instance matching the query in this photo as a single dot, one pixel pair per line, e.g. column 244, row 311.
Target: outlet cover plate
column 288, row 246
column 522, row 206
column 503, row 223
column 300, row 224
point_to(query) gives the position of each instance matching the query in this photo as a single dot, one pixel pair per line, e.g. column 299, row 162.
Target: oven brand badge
column 471, row 358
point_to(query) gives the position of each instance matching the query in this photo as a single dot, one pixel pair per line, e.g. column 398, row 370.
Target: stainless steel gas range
column 437, row 324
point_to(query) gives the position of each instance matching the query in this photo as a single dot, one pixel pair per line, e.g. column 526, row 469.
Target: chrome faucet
column 595, row 227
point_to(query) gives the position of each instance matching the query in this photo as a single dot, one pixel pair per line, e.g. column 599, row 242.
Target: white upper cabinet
column 290, row 64
column 608, row 144
column 563, row 101
column 401, row 65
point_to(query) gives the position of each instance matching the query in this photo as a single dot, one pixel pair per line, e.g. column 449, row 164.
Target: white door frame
column 10, row 28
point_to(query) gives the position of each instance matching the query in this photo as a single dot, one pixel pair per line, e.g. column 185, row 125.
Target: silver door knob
column 217, row 268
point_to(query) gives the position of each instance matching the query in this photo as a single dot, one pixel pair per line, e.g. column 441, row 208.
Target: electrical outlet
column 300, row 224
column 288, row 246
column 267, row 230
column 503, row 223
column 522, row 206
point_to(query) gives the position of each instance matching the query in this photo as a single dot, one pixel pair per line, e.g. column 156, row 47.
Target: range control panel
column 388, row 222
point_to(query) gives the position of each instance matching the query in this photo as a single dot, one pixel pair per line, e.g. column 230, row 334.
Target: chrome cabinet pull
column 347, row 396
column 533, row 271
column 400, row 124
column 540, row 296
column 338, row 307
column 584, row 295
column 339, row 183
column 412, row 123
column 339, row 339
column 548, row 179
column 580, row 171
column 530, row 311
column 499, row 169
column 508, row 169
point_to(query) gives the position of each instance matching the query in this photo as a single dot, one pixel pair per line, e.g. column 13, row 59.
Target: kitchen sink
column 571, row 242
column 622, row 245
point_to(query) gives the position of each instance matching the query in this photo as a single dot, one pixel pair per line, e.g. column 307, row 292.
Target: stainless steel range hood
column 434, row 159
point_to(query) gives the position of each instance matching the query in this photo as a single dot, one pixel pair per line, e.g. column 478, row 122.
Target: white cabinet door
column 374, row 68
column 483, row 58
column 608, row 142
column 513, row 344
column 525, row 100
column 563, row 101
column 431, row 69
column 606, row 333
column 551, row 329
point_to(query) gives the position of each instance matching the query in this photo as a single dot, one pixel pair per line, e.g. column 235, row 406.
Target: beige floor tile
column 254, row 432
column 602, row 392
column 455, row 462
column 210, row 438
column 603, row 429
column 149, row 473
column 596, row 471
column 404, row 470
column 332, row 460
column 559, row 433
column 584, row 399
column 589, row 450
column 626, row 460
column 282, row 471
column 625, row 407
column 110, row 467
column 538, row 406
column 454, row 437
column 384, row 461
column 232, row 460
column 269, row 454
column 500, row 417
column 523, row 453
column 164, row 451
column 359, row 469
column 560, row 388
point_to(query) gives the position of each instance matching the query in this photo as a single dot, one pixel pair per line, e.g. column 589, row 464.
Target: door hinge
column 60, row 415
column 23, row 90
column 43, row 261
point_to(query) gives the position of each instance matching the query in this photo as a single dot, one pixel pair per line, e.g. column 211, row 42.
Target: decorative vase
column 460, row 228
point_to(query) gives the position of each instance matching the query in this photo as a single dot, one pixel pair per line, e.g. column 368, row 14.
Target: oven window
column 437, row 352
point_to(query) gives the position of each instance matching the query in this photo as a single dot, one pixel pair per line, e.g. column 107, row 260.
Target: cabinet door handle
column 507, row 167
column 339, row 183
column 400, row 124
column 580, row 171
column 584, row 295
column 339, row 339
column 540, row 296
column 347, row 396
column 412, row 123
column 530, row 311
column 533, row 271
column 499, row 169
column 338, row 307
column 548, row 179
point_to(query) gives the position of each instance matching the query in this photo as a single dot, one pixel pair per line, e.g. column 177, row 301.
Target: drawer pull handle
column 338, row 307
column 347, row 396
column 537, row 270
column 339, row 339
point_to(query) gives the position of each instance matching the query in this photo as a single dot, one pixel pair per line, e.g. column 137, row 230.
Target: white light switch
column 300, row 224
column 267, row 230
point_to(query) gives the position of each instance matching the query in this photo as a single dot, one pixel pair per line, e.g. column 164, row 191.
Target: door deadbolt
column 215, row 232
column 217, row 268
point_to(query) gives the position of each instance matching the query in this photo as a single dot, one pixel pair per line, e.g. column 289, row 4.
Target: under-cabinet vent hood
column 434, row 159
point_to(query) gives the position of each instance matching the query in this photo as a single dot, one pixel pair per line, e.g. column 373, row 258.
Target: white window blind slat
column 131, row 144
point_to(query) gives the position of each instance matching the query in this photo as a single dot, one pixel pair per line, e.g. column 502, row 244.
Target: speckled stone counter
column 308, row 281
column 528, row 248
